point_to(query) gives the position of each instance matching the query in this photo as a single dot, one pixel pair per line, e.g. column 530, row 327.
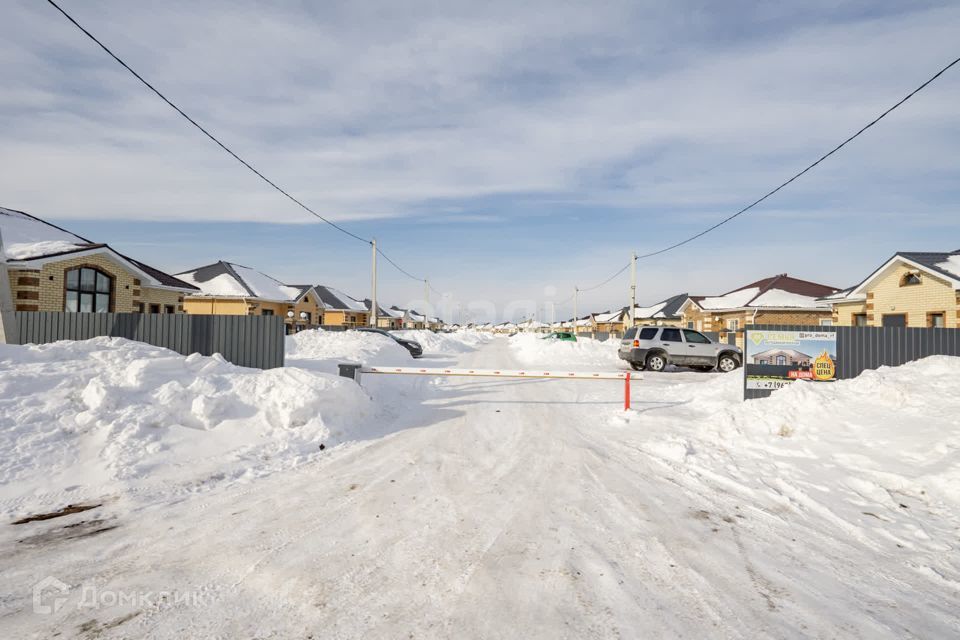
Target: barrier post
column 626, row 392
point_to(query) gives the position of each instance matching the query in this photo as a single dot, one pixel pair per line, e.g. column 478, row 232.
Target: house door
column 895, row 320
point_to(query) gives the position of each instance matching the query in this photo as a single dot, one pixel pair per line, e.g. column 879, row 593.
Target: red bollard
column 626, row 393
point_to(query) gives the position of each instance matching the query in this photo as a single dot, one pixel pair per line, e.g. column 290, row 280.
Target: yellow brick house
column 52, row 269
column 911, row 289
column 342, row 310
column 226, row 288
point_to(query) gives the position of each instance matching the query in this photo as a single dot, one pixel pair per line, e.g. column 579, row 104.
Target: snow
column 781, row 298
column 221, row 285
column 951, row 265
column 262, row 286
column 25, row 237
column 474, row 507
column 85, row 419
column 444, row 343
column 352, row 304
column 654, row 311
column 732, row 300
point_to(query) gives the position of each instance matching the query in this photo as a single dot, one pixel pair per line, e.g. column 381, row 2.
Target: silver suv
column 653, row 348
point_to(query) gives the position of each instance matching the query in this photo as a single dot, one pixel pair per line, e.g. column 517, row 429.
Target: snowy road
column 515, row 509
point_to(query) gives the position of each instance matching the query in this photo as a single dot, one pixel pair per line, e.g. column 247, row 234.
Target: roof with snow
column 338, row 300
column 945, row 264
column 381, row 312
column 27, row 239
column 777, row 292
column 226, row 279
column 609, row 316
column 669, row 308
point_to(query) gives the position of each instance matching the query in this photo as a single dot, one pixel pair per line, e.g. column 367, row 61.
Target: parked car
column 561, row 335
column 653, row 348
column 410, row 345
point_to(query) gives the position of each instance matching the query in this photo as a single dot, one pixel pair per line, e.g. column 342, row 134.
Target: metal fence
column 862, row 348
column 248, row 341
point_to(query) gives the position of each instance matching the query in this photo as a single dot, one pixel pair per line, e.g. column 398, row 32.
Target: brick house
column 664, row 313
column 608, row 321
column 341, row 310
column 779, row 299
column 52, row 269
column 386, row 318
column 911, row 289
column 231, row 289
column 790, row 357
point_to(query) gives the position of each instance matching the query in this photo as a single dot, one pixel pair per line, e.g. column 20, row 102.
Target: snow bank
column 321, row 350
column 445, row 343
column 109, row 415
column 585, row 353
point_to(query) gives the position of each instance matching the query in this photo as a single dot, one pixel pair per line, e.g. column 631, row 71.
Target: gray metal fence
column 248, row 341
column 862, row 348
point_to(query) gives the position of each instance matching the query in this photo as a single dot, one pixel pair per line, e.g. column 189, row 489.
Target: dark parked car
column 653, row 348
column 410, row 345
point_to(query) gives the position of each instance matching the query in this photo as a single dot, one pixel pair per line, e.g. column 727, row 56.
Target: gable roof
column 669, row 308
column 27, row 238
column 381, row 312
column 945, row 264
column 609, row 316
column 338, row 300
column 776, row 292
column 231, row 280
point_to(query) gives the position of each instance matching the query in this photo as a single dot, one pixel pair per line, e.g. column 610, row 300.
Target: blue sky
column 506, row 151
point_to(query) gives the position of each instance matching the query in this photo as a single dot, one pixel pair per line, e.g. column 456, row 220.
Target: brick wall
column 917, row 301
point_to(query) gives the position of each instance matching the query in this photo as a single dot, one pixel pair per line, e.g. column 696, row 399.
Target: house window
column 154, row 308
column 169, row 309
column 781, row 360
column 266, row 312
column 935, row 320
column 909, row 279
column 733, row 325
column 690, row 325
column 859, row 319
column 88, row 290
column 826, row 322
column 139, row 307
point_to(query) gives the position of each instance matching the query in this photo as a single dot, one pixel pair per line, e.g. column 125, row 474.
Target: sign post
column 775, row 358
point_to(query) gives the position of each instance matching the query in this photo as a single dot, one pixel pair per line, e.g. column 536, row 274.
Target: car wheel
column 636, row 366
column 656, row 362
column 727, row 363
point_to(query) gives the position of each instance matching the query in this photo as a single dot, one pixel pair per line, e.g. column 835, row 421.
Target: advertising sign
column 776, row 358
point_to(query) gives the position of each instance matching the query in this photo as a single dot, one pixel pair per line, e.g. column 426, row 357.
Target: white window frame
column 826, row 322
column 733, row 324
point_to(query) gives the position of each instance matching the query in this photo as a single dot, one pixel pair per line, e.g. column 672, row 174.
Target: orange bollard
column 626, row 393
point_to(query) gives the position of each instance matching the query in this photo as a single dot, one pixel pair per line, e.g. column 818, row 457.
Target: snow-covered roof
column 337, row 300
column 951, row 265
column 31, row 242
column 778, row 292
column 945, row 265
column 226, row 279
column 669, row 308
column 609, row 316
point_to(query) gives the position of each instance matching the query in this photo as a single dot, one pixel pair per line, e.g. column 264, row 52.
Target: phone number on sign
column 766, row 383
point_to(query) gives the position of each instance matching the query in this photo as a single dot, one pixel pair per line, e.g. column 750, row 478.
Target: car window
column 671, row 335
column 632, row 331
column 695, row 336
column 648, row 333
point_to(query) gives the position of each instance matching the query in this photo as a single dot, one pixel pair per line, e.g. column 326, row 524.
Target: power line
column 221, row 144
column 597, row 286
column 819, row 160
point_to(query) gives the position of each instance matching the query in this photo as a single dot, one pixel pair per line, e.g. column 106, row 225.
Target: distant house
column 52, row 269
column 665, row 313
column 789, row 357
column 341, row 310
column 608, row 321
column 780, row 299
column 911, row 289
column 226, row 288
column 386, row 318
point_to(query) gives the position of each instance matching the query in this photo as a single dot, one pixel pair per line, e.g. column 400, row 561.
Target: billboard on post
column 774, row 359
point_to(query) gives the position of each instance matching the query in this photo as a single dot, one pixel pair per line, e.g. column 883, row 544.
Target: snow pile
column 111, row 415
column 444, row 343
column 585, row 353
column 322, row 350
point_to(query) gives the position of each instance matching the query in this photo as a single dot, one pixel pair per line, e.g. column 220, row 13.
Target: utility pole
column 426, row 291
column 576, row 292
column 633, row 289
column 373, row 286
column 8, row 321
